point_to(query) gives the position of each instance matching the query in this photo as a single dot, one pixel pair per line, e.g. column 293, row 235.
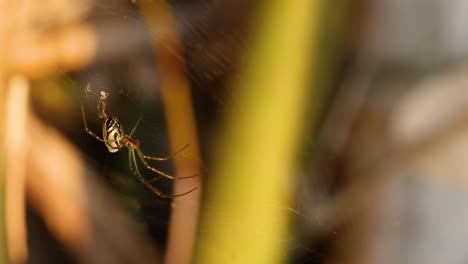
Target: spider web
column 132, row 82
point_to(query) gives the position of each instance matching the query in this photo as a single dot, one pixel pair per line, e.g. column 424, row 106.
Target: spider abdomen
column 112, row 133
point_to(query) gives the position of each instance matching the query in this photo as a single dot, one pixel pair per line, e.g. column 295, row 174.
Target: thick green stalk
column 245, row 212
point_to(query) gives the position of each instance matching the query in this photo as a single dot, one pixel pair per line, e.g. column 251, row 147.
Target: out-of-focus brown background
column 320, row 131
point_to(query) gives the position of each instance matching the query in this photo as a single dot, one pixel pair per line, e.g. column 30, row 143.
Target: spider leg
column 163, row 174
column 168, row 156
column 91, row 133
column 87, row 90
column 135, row 127
column 102, row 96
column 134, row 168
column 155, row 179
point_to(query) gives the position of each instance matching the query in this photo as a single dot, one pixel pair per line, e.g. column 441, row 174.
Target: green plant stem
column 245, row 211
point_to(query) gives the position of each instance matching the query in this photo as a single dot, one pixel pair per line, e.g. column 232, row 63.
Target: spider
column 114, row 138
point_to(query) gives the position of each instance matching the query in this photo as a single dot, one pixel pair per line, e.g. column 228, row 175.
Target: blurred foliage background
column 319, row 131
